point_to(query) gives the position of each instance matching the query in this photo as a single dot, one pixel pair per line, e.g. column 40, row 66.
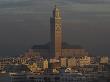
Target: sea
column 5, row 79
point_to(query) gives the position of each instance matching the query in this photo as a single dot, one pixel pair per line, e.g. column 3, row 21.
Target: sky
column 24, row 23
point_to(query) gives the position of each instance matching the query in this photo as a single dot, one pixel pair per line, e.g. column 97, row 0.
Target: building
column 63, row 62
column 72, row 62
column 54, row 63
column 85, row 60
column 4, row 62
column 56, row 47
column 104, row 60
column 38, row 66
column 33, row 67
column 45, row 64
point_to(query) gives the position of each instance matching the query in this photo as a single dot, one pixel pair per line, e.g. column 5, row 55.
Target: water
column 5, row 79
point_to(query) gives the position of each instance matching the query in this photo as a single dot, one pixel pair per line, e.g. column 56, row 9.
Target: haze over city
column 24, row 23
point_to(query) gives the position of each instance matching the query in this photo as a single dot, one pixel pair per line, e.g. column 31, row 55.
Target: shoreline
column 3, row 74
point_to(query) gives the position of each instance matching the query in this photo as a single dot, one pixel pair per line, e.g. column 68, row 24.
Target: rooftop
column 64, row 46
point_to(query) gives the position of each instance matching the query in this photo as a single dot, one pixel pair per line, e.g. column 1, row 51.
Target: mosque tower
column 56, row 33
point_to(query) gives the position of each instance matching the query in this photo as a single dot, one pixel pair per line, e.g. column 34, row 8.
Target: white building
column 104, row 60
column 84, row 60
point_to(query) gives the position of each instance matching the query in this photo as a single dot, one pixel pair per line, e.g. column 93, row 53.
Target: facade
column 104, row 60
column 85, row 60
column 38, row 66
column 4, row 62
column 72, row 62
column 45, row 64
column 63, row 62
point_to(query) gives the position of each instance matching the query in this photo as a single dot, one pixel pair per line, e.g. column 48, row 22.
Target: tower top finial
column 56, row 8
column 56, row 12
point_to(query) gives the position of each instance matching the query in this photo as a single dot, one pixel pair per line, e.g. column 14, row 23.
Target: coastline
column 3, row 74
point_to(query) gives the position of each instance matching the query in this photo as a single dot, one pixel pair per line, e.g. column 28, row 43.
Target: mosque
column 56, row 47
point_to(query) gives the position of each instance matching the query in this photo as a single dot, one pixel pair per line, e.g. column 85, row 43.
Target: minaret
column 56, row 33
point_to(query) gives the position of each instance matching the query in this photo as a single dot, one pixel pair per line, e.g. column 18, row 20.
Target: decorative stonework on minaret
column 56, row 33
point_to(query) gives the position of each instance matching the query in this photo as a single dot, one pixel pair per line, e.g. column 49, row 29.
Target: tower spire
column 56, row 12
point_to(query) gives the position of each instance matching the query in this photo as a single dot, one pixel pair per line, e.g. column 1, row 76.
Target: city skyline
column 20, row 28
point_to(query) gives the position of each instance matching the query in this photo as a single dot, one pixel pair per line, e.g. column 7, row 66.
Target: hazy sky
column 24, row 23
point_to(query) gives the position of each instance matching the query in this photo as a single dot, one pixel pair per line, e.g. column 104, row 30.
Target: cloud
column 88, row 1
column 28, row 20
column 37, row 6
